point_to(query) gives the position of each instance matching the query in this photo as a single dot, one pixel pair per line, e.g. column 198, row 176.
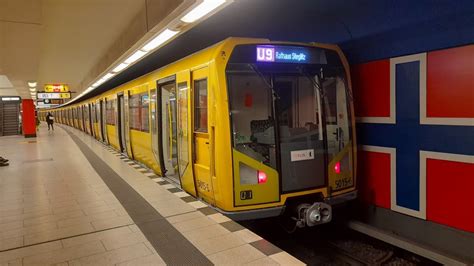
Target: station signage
column 53, row 95
column 45, row 105
column 51, row 101
column 56, row 88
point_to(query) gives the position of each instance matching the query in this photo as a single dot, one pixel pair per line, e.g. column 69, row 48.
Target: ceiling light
column 135, row 56
column 120, row 67
column 160, row 39
column 5, row 82
column 97, row 83
column 107, row 76
column 10, row 98
column 32, row 89
column 32, row 84
column 201, row 10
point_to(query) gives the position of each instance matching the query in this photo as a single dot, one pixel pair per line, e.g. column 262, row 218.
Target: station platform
column 67, row 199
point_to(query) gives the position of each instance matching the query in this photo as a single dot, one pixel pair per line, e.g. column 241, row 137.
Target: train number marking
column 203, row 186
column 246, row 195
column 343, row 182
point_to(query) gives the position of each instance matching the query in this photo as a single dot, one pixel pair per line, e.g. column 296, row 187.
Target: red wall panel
column 450, row 85
column 450, row 198
column 374, row 178
column 371, row 85
column 28, row 118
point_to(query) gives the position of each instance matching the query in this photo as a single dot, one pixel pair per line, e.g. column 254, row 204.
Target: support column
column 28, row 118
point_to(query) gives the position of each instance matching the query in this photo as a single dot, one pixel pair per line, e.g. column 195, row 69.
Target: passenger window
column 134, row 112
column 200, row 105
column 144, row 111
column 110, row 112
column 138, row 106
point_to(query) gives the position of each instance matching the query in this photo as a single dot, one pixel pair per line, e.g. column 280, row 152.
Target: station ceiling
column 57, row 41
column 365, row 29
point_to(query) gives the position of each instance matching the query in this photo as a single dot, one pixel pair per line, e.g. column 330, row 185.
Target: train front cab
column 291, row 130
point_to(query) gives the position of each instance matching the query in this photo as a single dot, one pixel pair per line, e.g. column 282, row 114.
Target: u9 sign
column 265, row 54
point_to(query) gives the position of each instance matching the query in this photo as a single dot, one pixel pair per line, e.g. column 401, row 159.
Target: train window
column 200, row 105
column 93, row 116
column 139, row 105
column 183, row 126
column 144, row 109
column 252, row 118
column 110, row 112
column 134, row 105
column 337, row 115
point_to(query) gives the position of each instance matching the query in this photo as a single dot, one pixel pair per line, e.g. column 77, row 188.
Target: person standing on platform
column 3, row 161
column 38, row 122
column 50, row 121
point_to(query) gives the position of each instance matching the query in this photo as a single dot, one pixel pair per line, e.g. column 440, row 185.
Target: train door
column 121, row 122
column 83, row 118
column 92, row 119
column 167, row 121
column 98, row 117
column 185, row 133
column 103, row 120
column 154, row 127
column 201, row 135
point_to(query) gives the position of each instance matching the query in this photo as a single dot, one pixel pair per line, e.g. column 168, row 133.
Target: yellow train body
column 208, row 163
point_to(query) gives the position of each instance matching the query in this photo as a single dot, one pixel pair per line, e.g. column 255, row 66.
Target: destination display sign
column 53, row 95
column 56, row 88
column 264, row 55
column 283, row 54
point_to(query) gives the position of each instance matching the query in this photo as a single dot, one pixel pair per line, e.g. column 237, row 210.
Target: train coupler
column 311, row 215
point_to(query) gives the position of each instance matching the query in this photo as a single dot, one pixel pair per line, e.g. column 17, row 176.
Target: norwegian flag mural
column 416, row 131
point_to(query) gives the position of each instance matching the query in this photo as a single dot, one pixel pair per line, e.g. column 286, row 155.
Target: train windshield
column 290, row 115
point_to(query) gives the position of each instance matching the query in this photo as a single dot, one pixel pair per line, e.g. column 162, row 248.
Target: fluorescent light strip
column 120, row 67
column 10, row 98
column 160, row 39
column 107, row 76
column 97, row 83
column 32, row 83
column 135, row 56
column 201, row 10
column 32, row 89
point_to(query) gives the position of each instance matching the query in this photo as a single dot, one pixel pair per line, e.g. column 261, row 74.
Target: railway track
column 334, row 244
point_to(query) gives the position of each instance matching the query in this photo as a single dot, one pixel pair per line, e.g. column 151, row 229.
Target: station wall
column 415, row 127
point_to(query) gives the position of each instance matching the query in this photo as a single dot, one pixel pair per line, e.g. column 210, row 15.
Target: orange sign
column 56, row 88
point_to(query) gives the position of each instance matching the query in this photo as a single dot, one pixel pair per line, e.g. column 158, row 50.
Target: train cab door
column 167, row 126
column 202, row 135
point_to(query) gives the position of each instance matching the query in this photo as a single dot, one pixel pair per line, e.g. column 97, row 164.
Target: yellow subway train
column 252, row 127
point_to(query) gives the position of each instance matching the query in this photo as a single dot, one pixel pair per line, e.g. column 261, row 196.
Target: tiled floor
column 56, row 209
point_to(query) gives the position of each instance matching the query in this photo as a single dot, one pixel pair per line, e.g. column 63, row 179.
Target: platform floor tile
column 68, row 199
